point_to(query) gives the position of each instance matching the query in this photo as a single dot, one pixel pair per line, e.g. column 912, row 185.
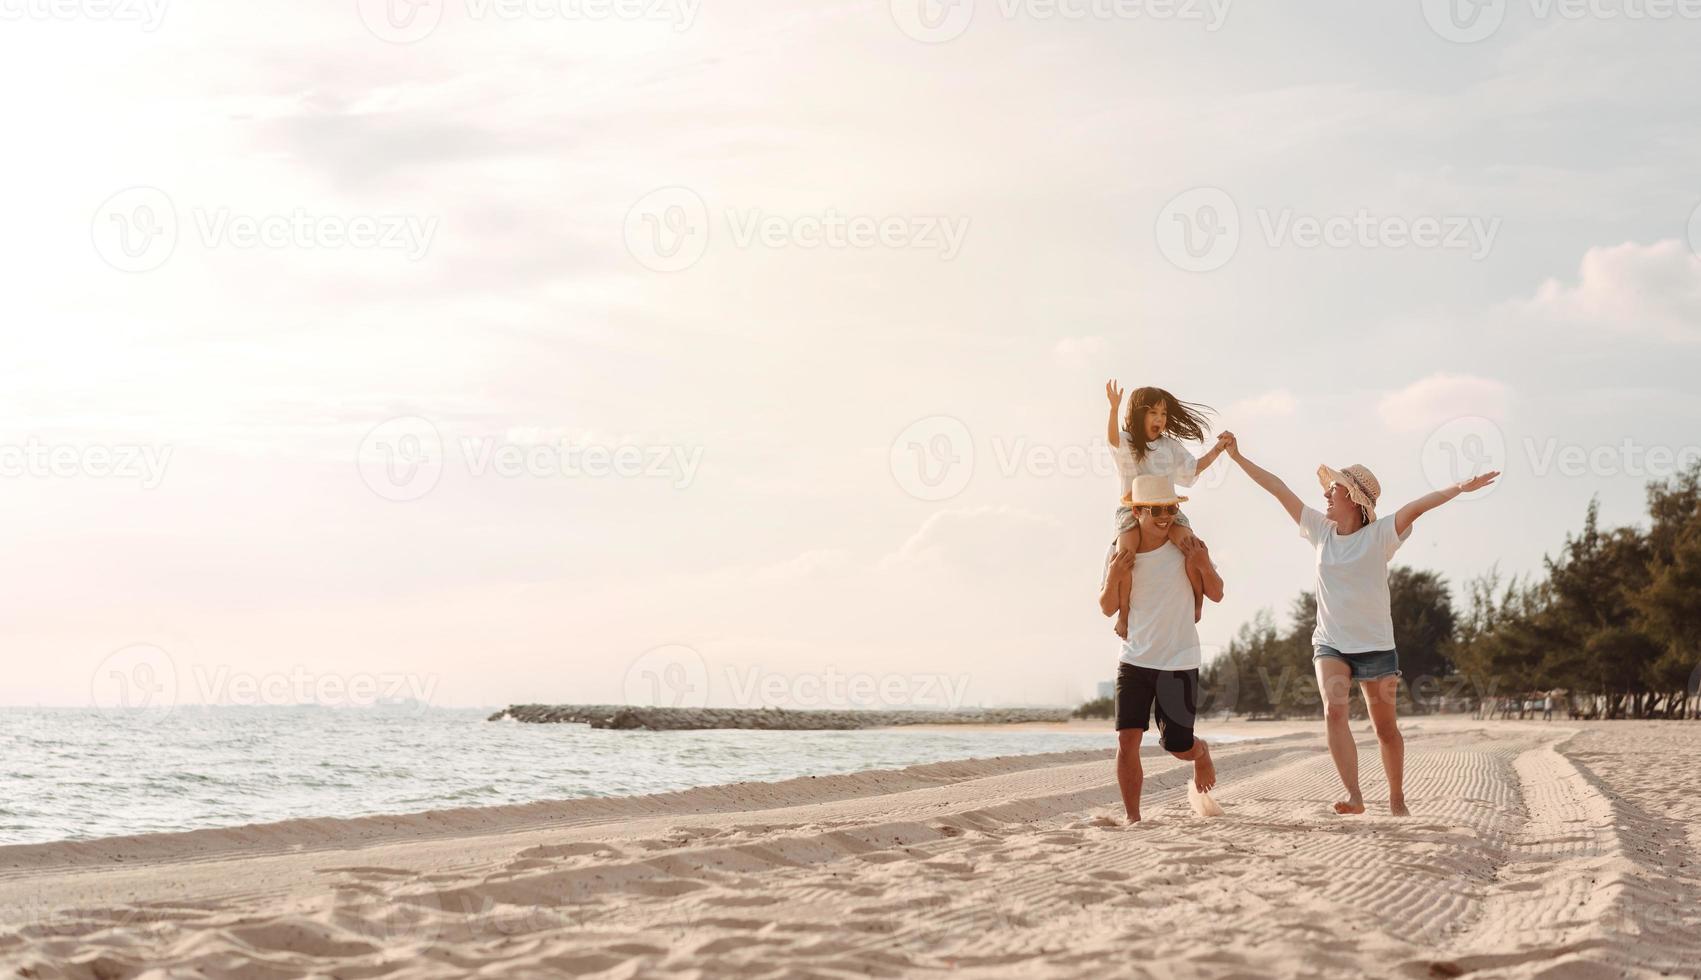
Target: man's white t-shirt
column 1354, row 609
column 1161, row 634
column 1167, row 457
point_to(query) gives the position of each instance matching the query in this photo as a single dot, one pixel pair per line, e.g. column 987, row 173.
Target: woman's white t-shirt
column 1167, row 457
column 1354, row 609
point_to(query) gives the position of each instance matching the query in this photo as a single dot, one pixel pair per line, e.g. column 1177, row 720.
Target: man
column 1160, row 660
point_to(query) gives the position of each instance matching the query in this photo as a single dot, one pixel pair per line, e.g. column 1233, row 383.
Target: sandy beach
column 1552, row 850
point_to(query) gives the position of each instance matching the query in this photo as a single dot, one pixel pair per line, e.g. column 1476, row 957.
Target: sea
column 75, row 774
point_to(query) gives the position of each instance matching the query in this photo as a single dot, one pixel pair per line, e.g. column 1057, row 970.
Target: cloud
column 1649, row 290
column 1439, row 397
column 1279, row 403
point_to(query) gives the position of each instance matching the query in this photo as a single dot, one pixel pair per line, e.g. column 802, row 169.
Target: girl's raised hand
column 1114, row 393
column 1227, row 443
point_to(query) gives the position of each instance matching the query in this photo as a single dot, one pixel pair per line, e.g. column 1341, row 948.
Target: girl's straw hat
column 1361, row 485
column 1152, row 490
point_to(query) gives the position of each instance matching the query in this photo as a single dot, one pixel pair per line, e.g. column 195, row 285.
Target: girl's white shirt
column 1167, row 457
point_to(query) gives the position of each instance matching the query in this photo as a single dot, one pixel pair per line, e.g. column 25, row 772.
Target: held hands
column 1226, row 442
column 1478, row 482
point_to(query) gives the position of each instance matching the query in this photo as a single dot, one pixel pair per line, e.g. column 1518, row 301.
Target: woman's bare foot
column 1398, row 808
column 1354, row 805
column 1204, row 770
column 1133, row 818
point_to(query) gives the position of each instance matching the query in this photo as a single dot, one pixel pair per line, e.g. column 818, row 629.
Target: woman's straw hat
column 1152, row 490
column 1361, row 484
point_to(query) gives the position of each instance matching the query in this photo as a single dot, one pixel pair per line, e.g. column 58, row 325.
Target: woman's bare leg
column 1381, row 696
column 1335, row 683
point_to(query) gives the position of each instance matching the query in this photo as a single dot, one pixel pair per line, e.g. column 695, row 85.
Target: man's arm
column 1113, row 433
column 1264, row 478
column 1199, row 563
column 1404, row 517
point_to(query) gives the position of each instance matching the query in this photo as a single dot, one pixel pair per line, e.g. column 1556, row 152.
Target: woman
column 1354, row 638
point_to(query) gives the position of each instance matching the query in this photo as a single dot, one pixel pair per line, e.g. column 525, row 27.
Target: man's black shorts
column 1175, row 695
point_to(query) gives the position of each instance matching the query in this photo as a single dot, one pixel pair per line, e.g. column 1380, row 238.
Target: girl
column 1147, row 442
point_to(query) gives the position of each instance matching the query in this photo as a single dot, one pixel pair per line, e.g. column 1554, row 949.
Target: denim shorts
column 1370, row 666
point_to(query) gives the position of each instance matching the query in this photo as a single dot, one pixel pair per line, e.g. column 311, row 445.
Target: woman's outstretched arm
column 1261, row 476
column 1404, row 517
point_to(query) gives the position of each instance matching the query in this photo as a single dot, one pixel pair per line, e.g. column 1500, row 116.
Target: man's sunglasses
column 1165, row 510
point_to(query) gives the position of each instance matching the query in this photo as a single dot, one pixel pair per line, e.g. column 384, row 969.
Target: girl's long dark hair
column 1186, row 419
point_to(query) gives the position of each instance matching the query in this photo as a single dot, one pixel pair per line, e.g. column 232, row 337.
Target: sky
column 748, row 353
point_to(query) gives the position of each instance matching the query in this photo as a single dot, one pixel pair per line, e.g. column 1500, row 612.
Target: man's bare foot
column 1354, row 805
column 1204, row 770
column 1133, row 819
column 1122, row 625
column 1398, row 808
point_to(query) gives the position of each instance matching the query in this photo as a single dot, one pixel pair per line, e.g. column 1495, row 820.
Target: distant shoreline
column 627, row 717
